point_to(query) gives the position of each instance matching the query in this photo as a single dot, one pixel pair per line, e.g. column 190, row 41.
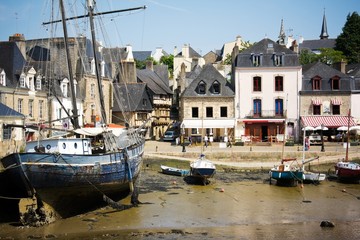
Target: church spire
column 324, row 34
column 282, row 36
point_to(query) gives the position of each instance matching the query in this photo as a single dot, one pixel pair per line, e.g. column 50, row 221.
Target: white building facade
column 267, row 82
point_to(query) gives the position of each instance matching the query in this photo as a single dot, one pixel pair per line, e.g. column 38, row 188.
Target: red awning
column 316, row 102
column 328, row 121
column 336, row 101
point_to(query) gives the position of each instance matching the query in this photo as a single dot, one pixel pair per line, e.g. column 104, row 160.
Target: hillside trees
column 349, row 40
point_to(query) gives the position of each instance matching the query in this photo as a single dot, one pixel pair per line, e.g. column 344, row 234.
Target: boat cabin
column 61, row 145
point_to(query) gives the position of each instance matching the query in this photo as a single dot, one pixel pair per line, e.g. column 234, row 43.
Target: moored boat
column 347, row 171
column 66, row 176
column 313, row 177
column 202, row 169
column 287, row 173
column 174, row 171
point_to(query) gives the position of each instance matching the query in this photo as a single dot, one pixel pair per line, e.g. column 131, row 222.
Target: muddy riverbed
column 235, row 205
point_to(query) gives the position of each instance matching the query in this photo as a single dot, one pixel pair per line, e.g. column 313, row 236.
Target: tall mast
column 98, row 76
column 71, row 77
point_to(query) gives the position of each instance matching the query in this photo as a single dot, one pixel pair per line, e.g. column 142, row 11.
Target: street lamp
column 322, row 138
column 182, row 137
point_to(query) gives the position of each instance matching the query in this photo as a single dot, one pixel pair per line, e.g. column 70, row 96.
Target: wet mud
column 234, row 205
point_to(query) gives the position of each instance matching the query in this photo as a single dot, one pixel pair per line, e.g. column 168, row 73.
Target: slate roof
column 163, row 72
column 209, row 74
column 192, row 53
column 11, row 60
column 326, row 73
column 153, row 82
column 130, row 98
column 5, row 111
column 266, row 48
column 353, row 70
column 195, row 72
column 315, row 45
column 141, row 55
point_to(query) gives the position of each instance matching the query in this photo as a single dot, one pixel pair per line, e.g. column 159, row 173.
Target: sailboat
column 202, row 168
column 347, row 171
column 310, row 177
column 58, row 178
column 288, row 172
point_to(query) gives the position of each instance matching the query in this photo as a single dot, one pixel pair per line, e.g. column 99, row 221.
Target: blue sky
column 204, row 24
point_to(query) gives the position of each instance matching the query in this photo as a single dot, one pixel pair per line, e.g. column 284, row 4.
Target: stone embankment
column 250, row 156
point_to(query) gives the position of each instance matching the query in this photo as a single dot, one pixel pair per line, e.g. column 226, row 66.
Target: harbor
column 238, row 203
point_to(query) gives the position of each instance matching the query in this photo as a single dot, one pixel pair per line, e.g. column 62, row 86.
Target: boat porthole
column 75, row 145
column 48, row 147
column 64, row 145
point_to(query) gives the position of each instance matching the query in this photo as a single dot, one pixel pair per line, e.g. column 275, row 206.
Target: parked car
column 171, row 135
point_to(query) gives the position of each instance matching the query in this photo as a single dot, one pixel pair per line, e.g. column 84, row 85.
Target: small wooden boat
column 313, row 177
column 174, row 171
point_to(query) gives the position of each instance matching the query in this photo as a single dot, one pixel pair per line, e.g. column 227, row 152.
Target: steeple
column 324, row 34
column 282, row 36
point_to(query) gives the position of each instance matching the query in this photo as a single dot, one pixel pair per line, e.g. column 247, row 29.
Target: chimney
column 175, row 51
column 185, row 51
column 341, row 66
column 149, row 65
column 19, row 39
column 195, row 61
column 129, row 55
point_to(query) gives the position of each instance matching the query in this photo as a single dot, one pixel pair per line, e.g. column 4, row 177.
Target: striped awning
column 328, row 121
column 336, row 101
column 316, row 102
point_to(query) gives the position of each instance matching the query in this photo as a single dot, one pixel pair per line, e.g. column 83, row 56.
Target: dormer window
column 2, row 78
column 64, row 87
column 31, row 83
column 201, row 88
column 335, row 83
column 38, row 83
column 22, row 81
column 256, row 59
column 103, row 68
column 216, row 87
column 278, row 60
column 92, row 67
column 316, row 83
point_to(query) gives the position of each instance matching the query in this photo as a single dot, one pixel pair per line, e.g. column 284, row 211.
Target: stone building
column 207, row 106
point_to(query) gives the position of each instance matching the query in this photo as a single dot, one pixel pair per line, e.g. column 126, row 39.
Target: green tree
column 169, row 61
column 330, row 56
column 307, row 56
column 327, row 56
column 142, row 64
column 244, row 46
column 349, row 40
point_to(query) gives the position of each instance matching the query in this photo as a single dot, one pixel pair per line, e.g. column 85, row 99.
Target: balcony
column 265, row 114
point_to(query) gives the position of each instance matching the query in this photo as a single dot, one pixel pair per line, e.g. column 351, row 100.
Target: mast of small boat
column 347, row 137
column 283, row 146
column 71, row 76
column 202, row 128
column 303, row 157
